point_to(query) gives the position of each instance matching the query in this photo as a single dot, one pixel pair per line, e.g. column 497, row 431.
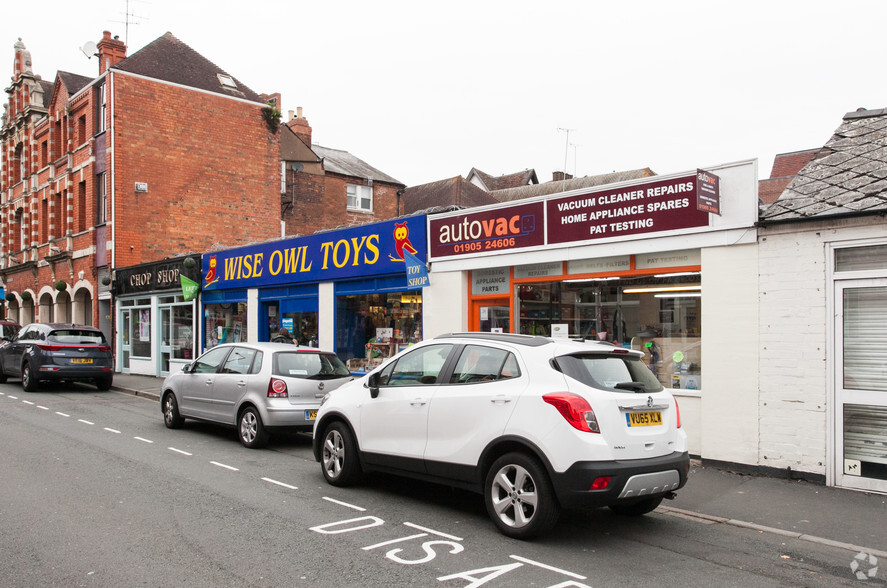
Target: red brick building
column 162, row 153
column 323, row 188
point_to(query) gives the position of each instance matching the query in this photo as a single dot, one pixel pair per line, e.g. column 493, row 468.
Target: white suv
column 535, row 424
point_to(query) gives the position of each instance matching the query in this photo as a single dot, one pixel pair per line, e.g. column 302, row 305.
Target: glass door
column 860, row 425
column 491, row 316
column 165, row 340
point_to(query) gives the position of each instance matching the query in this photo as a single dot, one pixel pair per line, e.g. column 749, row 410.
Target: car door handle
column 209, row 381
column 500, row 399
column 418, row 402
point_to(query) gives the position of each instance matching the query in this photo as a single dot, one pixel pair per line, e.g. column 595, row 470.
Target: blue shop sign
column 367, row 250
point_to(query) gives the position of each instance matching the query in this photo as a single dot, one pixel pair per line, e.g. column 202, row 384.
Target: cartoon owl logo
column 402, row 241
column 211, row 274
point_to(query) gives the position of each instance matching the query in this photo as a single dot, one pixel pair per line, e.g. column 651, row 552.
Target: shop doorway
column 860, row 414
column 491, row 316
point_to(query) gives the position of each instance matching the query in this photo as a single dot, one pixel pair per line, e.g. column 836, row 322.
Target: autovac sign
column 375, row 249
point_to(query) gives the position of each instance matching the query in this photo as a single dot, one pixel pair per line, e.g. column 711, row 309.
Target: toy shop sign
column 658, row 205
column 362, row 251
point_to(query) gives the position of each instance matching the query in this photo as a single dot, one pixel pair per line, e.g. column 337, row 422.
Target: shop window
column 225, row 323
column 372, row 327
column 659, row 316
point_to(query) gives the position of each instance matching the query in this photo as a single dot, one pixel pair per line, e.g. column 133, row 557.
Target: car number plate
column 643, row 419
column 85, row 360
column 310, row 415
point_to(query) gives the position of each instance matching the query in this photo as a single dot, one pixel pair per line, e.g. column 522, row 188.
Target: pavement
column 799, row 509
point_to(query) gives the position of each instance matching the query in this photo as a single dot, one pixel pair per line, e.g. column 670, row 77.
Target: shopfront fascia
column 626, row 263
column 156, row 326
column 334, row 290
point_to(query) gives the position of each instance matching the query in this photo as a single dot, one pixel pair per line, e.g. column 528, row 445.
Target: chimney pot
column 290, row 112
column 299, row 111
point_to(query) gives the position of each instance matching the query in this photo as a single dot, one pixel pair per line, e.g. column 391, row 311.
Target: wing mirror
column 373, row 384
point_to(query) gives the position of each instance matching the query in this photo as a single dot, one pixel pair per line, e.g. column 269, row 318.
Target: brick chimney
column 560, row 176
column 111, row 51
column 299, row 125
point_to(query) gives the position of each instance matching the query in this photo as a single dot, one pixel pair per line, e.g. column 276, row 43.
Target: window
column 484, row 364
column 81, row 207
column 239, row 361
column 101, row 106
column 210, row 361
column 81, row 129
column 227, row 81
column 101, row 200
column 360, row 197
column 418, row 368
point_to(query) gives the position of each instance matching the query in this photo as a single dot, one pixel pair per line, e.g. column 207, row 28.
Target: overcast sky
column 427, row 90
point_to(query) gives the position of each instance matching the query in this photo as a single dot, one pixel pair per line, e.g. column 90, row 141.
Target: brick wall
column 211, row 166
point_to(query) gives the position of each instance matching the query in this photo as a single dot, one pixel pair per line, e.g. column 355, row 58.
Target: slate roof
column 73, row 82
column 47, row 92
column 342, row 162
column 170, row 60
column 455, row 191
column 506, row 181
column 553, row 187
column 848, row 176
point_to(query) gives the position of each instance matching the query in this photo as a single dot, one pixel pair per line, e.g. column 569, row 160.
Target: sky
column 424, row 91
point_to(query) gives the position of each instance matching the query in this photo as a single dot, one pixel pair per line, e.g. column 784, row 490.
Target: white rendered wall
column 445, row 304
column 326, row 312
column 730, row 412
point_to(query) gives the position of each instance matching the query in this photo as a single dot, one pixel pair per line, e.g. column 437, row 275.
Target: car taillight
column 601, row 483
column 46, row 347
column 575, row 409
column 277, row 388
column 677, row 410
column 105, row 348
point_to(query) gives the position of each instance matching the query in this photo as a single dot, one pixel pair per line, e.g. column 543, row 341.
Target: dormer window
column 227, row 81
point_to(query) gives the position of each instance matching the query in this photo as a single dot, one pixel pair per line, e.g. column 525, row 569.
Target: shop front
column 156, row 323
column 347, row 290
column 640, row 265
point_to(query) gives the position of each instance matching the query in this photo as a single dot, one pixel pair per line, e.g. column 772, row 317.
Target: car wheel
column 171, row 417
column 519, row 497
column 251, row 430
column 104, row 383
column 638, row 508
column 29, row 380
column 341, row 466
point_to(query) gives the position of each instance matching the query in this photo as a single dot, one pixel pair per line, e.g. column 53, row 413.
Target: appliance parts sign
column 652, row 207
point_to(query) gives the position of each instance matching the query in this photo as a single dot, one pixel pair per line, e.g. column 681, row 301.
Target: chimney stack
column 111, row 51
column 299, row 125
column 560, row 176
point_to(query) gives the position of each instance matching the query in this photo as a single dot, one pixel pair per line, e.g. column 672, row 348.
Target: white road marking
column 42, row 407
column 334, row 501
column 432, row 531
column 179, row 451
column 63, row 414
column 85, row 422
column 384, row 543
column 143, row 439
column 13, row 397
column 112, row 430
column 28, row 402
column 547, row 567
column 227, row 467
column 270, row 481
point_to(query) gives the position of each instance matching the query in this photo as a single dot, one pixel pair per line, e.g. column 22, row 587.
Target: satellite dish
column 89, row 49
column 297, row 167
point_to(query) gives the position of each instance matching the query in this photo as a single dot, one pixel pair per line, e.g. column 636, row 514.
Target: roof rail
column 516, row 338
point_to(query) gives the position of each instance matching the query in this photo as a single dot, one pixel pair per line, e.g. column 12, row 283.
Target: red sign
column 708, row 193
column 652, row 207
column 483, row 232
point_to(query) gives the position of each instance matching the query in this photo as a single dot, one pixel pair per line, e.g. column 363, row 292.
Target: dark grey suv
column 54, row 351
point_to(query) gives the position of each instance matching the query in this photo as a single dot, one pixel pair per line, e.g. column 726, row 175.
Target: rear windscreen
column 76, row 337
column 317, row 366
column 619, row 373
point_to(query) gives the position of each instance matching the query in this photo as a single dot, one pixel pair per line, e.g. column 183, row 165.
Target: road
column 95, row 491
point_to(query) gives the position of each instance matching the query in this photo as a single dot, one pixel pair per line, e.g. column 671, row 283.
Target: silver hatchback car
column 255, row 387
